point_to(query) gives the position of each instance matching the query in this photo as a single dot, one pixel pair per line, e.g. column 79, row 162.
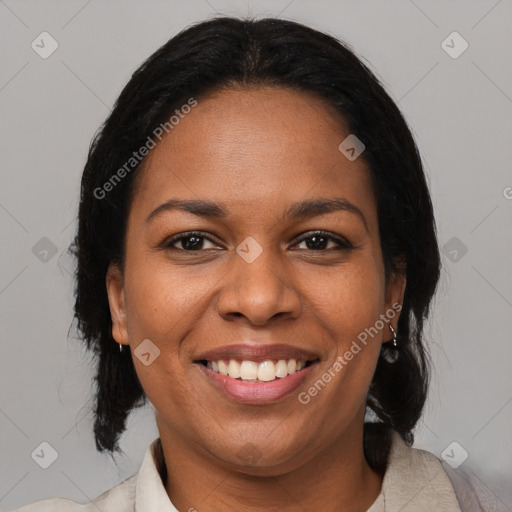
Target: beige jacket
column 415, row 481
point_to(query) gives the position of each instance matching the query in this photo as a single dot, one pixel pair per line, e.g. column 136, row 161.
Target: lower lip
column 257, row 392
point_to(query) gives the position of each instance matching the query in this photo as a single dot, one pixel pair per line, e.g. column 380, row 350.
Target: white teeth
column 248, row 370
column 234, row 369
column 265, row 371
column 223, row 369
column 281, row 368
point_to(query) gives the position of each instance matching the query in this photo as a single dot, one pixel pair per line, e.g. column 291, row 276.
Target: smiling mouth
column 252, row 371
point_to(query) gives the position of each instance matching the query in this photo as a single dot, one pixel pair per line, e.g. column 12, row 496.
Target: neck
column 335, row 478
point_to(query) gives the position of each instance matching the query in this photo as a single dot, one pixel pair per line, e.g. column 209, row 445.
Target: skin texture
column 256, row 151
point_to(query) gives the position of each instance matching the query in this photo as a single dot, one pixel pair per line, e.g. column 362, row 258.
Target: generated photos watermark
column 305, row 396
column 137, row 156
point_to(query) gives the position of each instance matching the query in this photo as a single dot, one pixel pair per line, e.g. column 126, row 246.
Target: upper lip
column 257, row 352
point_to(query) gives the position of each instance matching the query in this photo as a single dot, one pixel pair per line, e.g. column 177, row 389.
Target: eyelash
column 342, row 243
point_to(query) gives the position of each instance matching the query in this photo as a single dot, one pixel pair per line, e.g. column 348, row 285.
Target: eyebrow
column 296, row 211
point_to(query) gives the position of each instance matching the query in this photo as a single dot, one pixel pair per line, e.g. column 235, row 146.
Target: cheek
column 348, row 300
column 161, row 300
column 348, row 303
column 350, row 314
column 160, row 307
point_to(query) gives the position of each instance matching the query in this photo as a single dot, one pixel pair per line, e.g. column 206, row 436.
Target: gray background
column 460, row 110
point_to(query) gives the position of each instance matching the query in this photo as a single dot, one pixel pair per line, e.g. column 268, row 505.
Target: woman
column 256, row 257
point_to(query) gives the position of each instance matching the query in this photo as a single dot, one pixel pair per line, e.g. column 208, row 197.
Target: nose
column 258, row 291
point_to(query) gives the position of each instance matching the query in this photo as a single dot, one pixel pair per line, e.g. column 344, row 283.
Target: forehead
column 254, row 146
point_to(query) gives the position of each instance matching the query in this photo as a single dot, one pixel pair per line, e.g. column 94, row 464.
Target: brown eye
column 193, row 241
column 319, row 241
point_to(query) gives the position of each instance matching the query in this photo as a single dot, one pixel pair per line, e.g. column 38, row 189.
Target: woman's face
column 256, row 276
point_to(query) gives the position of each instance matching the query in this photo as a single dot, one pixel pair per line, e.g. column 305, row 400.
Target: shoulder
column 118, row 499
column 432, row 481
column 416, row 481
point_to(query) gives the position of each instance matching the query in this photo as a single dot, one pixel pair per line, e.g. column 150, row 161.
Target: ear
column 395, row 296
column 116, row 301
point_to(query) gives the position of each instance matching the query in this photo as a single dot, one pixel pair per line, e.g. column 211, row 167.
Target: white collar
column 150, row 493
column 414, row 481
